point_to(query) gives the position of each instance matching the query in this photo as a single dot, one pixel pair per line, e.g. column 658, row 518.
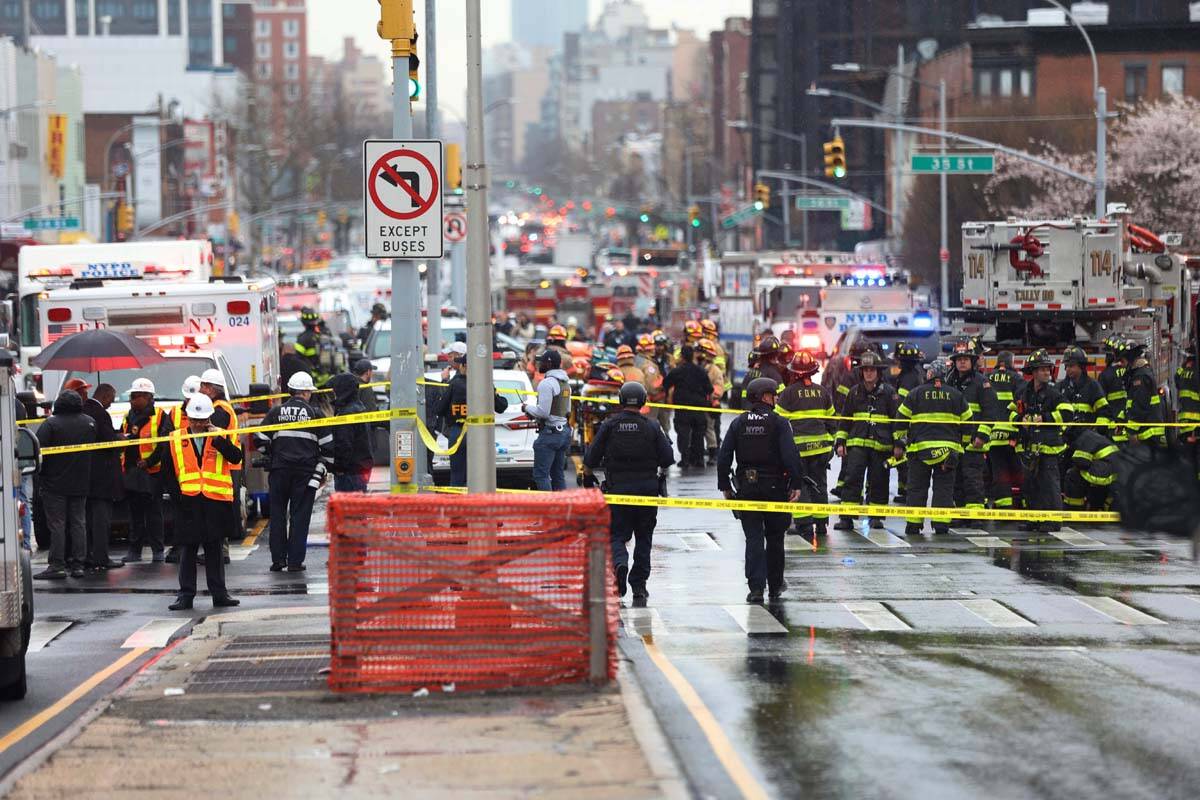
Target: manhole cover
column 257, row 664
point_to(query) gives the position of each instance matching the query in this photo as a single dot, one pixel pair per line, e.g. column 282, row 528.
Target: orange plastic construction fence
column 468, row 592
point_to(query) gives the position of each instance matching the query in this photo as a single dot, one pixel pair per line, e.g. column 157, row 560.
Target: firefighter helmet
column 1075, row 355
column 309, row 317
column 768, row 347
column 908, row 352
column 557, row 334
column 707, row 347
column 871, row 360
column 710, row 328
column 1004, row 359
column 966, row 346
column 624, row 352
column 803, row 364
column 783, row 356
column 692, row 330
column 614, row 375
column 645, row 343
column 1037, row 359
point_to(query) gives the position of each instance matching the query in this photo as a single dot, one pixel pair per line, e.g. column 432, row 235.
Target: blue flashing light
column 922, row 321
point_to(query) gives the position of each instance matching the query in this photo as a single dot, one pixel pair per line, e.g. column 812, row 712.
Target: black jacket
column 308, row 448
column 773, row 452
column 631, row 449
column 105, row 480
column 199, row 519
column 452, row 404
column 67, row 473
column 691, row 384
column 137, row 479
column 351, row 443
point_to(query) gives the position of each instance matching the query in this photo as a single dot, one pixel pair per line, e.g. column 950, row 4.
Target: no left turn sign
column 402, row 198
column 456, row 226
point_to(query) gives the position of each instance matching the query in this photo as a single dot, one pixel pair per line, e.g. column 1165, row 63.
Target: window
column 1135, row 82
column 1172, row 79
column 264, row 70
column 230, row 47
column 263, row 49
column 262, row 27
column 293, row 91
column 145, row 10
column 1026, row 83
column 1006, row 83
column 291, row 28
column 984, row 79
column 291, row 50
column 291, row 72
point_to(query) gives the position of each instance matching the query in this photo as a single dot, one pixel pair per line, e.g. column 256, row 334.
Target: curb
column 651, row 738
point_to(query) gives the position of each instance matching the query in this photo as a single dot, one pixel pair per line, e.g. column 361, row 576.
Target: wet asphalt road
column 989, row 663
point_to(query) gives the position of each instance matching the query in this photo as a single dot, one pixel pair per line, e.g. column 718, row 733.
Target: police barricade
column 455, row 592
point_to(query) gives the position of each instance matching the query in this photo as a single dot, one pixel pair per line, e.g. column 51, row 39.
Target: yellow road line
column 255, row 532
column 722, row 747
column 45, row 715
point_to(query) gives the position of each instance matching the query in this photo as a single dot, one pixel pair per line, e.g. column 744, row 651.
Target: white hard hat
column 142, row 385
column 191, row 385
column 199, row 406
column 213, row 376
column 458, row 348
column 301, row 382
column 573, row 321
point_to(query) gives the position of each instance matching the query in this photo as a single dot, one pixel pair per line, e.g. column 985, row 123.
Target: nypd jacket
column 809, row 408
column 872, row 411
column 762, row 441
column 308, row 448
column 932, row 431
column 630, row 448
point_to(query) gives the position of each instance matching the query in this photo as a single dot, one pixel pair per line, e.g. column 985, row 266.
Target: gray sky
column 331, row 20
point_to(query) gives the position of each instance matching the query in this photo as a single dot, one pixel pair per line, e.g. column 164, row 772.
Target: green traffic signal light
column 414, row 89
column 696, row 223
column 644, row 217
column 758, row 205
column 839, row 172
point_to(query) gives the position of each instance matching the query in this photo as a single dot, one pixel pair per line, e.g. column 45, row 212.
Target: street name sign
column 804, row 203
column 953, row 164
column 740, row 216
column 52, row 224
column 402, row 198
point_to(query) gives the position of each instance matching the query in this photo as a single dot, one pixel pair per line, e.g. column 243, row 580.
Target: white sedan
column 515, row 431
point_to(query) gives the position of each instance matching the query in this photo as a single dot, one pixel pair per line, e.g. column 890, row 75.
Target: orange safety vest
column 233, row 423
column 213, row 478
column 148, row 431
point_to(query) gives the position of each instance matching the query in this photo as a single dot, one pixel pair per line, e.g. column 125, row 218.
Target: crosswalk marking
column 875, row 616
column 643, row 621
column 968, row 532
column 755, row 619
column 995, row 614
column 698, row 541
column 43, row 633
column 1122, row 613
column 987, row 541
column 1075, row 538
column 882, row 538
column 155, row 633
column 239, row 552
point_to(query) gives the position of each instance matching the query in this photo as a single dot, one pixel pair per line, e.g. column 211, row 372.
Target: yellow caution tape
column 827, row 509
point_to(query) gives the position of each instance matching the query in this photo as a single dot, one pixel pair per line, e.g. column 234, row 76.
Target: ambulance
column 47, row 267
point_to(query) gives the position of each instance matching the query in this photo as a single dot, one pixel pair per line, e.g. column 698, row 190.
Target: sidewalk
column 240, row 710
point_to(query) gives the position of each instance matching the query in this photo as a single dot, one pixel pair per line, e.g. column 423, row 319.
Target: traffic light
column 454, row 169
column 835, row 158
column 396, row 20
column 124, row 217
column 414, row 65
column 322, row 218
column 694, row 216
column 762, row 196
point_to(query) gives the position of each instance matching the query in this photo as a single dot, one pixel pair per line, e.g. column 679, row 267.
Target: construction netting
column 469, row 592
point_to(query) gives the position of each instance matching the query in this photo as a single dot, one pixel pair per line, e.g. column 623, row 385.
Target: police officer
column 864, row 441
column 931, row 442
column 768, row 469
column 981, row 399
column 1002, row 457
column 809, row 408
column 908, row 374
column 1044, row 445
column 634, row 454
column 1143, row 404
column 299, row 460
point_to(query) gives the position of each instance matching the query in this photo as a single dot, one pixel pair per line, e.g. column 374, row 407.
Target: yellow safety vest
column 211, row 479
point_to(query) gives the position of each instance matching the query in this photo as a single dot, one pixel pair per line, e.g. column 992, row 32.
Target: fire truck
column 1051, row 284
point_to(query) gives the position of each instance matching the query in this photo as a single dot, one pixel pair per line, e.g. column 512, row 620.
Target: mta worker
column 768, row 468
column 634, row 453
column 200, row 481
column 300, row 458
column 552, row 410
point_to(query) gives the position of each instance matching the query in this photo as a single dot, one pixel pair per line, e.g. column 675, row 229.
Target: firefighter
column 713, row 333
column 660, row 357
column 767, row 351
column 865, row 441
column 1112, row 382
column 706, row 357
column 839, row 390
column 768, row 468
column 379, row 313
column 930, row 441
column 556, row 339
column 981, row 399
column 1044, row 445
column 625, row 363
column 1003, row 461
column 1187, row 390
column 1082, row 393
column 906, row 375
column 308, row 343
column 1092, row 471
column 809, row 408
column 1143, row 403
column 299, row 461
column 201, row 485
column 634, row 453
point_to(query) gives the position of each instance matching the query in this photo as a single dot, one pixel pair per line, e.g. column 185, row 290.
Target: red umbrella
column 99, row 350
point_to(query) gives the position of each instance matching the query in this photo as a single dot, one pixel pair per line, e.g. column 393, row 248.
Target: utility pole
column 944, row 251
column 687, row 193
column 433, row 125
column 898, row 147
column 406, row 352
column 481, row 439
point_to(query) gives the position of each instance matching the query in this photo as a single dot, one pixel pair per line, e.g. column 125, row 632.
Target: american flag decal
column 57, row 331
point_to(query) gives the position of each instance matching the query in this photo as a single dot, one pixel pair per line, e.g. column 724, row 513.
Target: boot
column 755, row 596
column 844, row 524
column 777, row 591
column 639, row 592
column 173, row 555
column 822, row 529
column 800, row 529
column 622, row 580
column 876, row 523
column 912, row 529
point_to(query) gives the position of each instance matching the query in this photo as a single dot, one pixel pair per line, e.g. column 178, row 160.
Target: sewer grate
column 258, row 664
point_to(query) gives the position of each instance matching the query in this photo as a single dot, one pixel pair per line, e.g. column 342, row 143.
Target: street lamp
column 742, row 125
